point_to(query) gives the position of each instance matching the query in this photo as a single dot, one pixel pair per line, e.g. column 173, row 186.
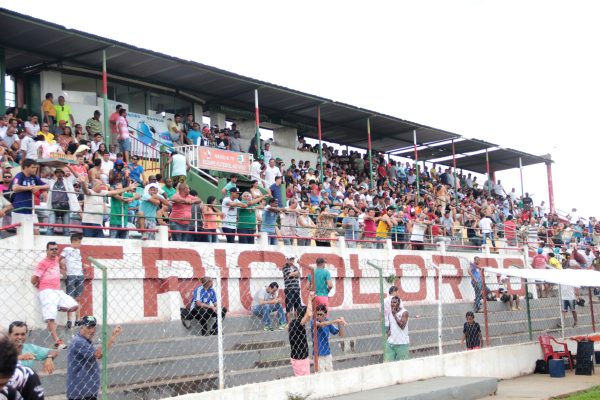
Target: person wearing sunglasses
column 325, row 328
column 46, row 278
column 64, row 112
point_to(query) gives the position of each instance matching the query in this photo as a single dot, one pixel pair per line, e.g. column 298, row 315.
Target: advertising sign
column 223, row 160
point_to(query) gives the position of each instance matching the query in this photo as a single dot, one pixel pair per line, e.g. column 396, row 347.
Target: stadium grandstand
column 190, row 203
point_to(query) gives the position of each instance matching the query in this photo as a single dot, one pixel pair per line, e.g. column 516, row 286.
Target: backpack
column 541, row 367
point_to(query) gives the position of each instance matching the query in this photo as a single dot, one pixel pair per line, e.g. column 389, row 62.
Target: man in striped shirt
column 291, row 281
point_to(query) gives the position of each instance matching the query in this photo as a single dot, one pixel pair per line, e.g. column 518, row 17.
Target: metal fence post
column 562, row 317
column 592, row 309
column 528, row 309
column 104, row 375
column 485, row 307
column 382, row 307
column 220, row 330
column 314, row 322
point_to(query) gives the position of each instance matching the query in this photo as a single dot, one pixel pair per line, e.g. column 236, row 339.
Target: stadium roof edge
column 342, row 122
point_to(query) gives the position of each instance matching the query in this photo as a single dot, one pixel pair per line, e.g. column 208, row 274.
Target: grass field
column 591, row 394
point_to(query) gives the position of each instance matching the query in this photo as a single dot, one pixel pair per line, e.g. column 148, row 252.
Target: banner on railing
column 223, row 160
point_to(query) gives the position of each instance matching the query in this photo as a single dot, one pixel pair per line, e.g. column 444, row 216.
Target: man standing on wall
column 476, row 282
column 322, row 284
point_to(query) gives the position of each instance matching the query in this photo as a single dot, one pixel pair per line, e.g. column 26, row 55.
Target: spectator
column 351, row 227
column 83, row 371
column 268, row 156
column 136, row 171
column 568, row 295
column 386, row 222
column 275, row 190
column 540, row 261
column 246, row 226
column 265, row 302
column 289, row 221
column 291, row 282
column 256, row 169
column 235, row 144
column 106, row 165
column 554, row 262
column 49, row 112
column 397, row 330
column 325, row 227
column 181, row 213
column 417, row 228
column 123, row 136
column 93, row 206
column 471, row 333
column 194, row 135
column 17, row 381
column 93, row 125
column 322, row 284
column 168, row 189
column 387, row 303
column 150, row 203
column 222, row 141
column 30, row 353
column 203, row 308
column 179, row 168
column 324, row 329
column 176, row 130
column 61, row 200
column 64, row 114
column 209, row 218
column 46, row 278
column 271, row 173
column 119, row 211
column 112, row 123
column 96, row 142
column 231, row 184
column 299, row 357
column 119, row 174
column 510, row 231
column 487, row 230
column 269, row 220
column 32, row 127
column 476, row 282
column 229, row 207
column 508, row 295
column 25, row 185
column 305, row 229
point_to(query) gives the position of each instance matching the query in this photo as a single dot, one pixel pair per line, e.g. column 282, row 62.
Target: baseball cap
column 88, row 320
column 291, row 256
column 233, row 190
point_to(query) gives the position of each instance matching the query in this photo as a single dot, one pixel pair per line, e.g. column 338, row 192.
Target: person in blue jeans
column 265, row 302
column 476, row 282
column 269, row 220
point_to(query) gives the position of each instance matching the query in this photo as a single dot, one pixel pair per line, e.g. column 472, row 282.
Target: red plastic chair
column 550, row 352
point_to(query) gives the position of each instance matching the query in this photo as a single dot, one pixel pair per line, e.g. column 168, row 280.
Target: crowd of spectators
column 291, row 202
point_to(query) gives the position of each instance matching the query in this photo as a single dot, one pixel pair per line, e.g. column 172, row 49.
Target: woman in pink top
column 370, row 228
column 209, row 216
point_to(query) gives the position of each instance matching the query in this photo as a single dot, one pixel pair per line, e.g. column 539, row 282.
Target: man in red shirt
column 181, row 213
column 510, row 231
column 46, row 278
column 112, row 122
column 539, row 261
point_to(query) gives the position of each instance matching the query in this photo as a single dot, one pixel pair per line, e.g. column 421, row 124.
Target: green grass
column 591, row 394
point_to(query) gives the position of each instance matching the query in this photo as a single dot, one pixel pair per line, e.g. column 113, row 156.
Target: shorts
column 74, row 285
column 395, row 352
column 18, row 218
column 473, row 348
column 149, row 225
column 568, row 304
column 301, row 367
column 178, row 179
column 124, row 145
column 52, row 300
column 325, row 363
column 292, row 299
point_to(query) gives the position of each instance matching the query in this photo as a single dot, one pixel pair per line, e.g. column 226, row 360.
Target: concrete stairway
column 155, row 360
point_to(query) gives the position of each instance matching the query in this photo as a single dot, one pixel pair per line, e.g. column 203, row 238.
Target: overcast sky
column 522, row 74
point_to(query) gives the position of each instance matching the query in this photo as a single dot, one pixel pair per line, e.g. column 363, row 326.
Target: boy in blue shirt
column 203, row 307
column 324, row 329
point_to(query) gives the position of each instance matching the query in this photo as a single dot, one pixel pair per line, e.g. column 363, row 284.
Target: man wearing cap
column 229, row 207
column 83, row 369
column 93, row 125
column 291, row 283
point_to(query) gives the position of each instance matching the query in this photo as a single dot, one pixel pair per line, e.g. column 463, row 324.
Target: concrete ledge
column 448, row 387
column 479, row 363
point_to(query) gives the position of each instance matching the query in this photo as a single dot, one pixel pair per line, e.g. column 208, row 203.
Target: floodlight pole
column 454, row 166
column 105, row 98
column 487, row 166
column 370, row 153
column 521, row 173
column 417, row 166
column 321, row 143
column 257, row 116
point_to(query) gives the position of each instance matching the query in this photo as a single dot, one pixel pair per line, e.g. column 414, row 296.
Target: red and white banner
column 223, row 160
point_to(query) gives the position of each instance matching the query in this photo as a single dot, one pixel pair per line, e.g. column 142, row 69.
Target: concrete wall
column 479, row 363
column 156, row 277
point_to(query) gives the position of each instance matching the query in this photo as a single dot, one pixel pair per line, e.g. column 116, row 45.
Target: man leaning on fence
column 203, row 307
column 83, row 370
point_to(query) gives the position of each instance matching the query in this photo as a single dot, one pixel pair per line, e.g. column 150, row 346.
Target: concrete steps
column 163, row 357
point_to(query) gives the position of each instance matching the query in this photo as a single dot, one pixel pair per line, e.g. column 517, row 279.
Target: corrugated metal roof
column 32, row 43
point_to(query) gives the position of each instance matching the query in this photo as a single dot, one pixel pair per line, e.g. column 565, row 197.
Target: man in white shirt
column 568, row 295
column 487, row 230
column 499, row 189
column 397, row 330
column 32, row 127
column 255, row 170
column 268, row 156
column 229, row 207
column 271, row 173
column 105, row 167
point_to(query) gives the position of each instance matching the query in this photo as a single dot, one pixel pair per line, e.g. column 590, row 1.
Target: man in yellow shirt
column 49, row 111
column 553, row 262
column 48, row 137
column 63, row 112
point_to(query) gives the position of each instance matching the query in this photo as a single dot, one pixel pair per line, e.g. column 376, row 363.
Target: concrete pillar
column 247, row 130
column 342, row 243
column 217, row 118
column 286, row 137
column 51, row 82
column 198, row 111
column 163, row 235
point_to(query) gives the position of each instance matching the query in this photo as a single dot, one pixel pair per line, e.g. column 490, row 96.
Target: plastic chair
column 550, row 352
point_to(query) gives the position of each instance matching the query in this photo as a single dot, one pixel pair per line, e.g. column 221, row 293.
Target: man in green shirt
column 168, row 188
column 322, row 285
column 231, row 184
column 119, row 207
column 64, row 113
column 30, row 353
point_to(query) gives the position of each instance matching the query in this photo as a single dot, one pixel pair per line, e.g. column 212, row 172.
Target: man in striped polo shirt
column 291, row 281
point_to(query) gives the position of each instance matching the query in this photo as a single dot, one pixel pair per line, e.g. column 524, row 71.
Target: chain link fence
column 176, row 321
